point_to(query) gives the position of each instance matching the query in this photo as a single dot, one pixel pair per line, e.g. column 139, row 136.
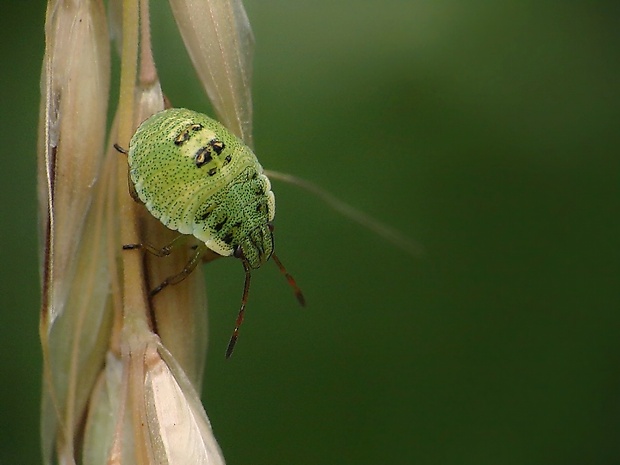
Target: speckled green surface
column 199, row 179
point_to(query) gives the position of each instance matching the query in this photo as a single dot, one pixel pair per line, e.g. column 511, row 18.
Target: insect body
column 198, row 178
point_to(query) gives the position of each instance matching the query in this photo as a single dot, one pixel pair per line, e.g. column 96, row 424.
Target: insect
column 199, row 179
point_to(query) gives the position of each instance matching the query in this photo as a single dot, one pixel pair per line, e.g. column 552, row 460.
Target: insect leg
column 121, row 149
column 244, row 300
column 159, row 252
column 189, row 267
column 132, row 189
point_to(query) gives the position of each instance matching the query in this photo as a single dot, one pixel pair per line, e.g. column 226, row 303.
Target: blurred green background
column 487, row 131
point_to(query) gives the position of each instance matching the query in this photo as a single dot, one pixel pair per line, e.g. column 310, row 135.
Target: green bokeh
column 488, row 131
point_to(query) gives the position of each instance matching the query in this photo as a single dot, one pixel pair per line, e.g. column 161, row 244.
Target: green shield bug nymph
column 199, row 179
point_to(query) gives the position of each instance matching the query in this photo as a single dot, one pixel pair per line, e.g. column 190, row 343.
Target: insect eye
column 197, row 127
column 238, row 253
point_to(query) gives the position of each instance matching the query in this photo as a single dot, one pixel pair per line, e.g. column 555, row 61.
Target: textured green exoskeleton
column 198, row 178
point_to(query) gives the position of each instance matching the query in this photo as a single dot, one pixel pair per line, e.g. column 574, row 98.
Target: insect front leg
column 189, row 267
column 159, row 252
column 132, row 189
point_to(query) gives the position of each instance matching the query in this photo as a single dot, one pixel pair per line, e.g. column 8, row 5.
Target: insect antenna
column 405, row 243
column 300, row 297
column 244, row 300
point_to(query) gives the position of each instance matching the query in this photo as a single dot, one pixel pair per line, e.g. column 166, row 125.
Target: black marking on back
column 181, row 138
column 206, row 212
column 184, row 136
column 217, row 145
column 202, row 156
column 218, row 226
